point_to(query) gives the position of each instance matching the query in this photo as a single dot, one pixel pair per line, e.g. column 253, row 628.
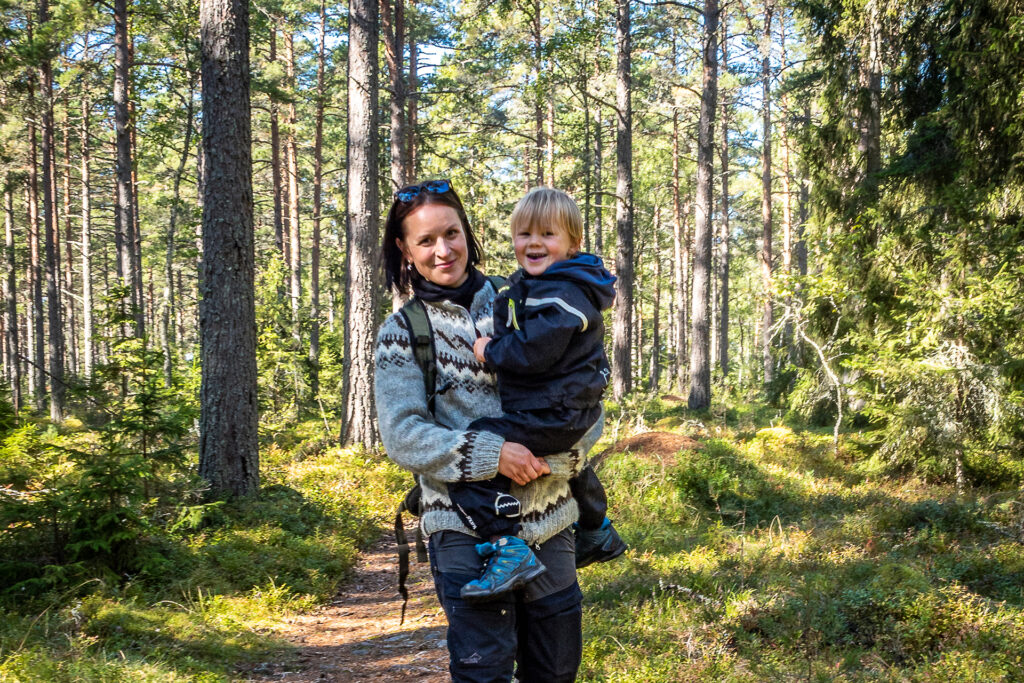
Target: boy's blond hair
column 550, row 207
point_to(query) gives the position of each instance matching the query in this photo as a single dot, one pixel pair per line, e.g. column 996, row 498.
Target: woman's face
column 435, row 244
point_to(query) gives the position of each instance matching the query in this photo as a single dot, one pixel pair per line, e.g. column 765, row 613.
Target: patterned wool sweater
column 438, row 448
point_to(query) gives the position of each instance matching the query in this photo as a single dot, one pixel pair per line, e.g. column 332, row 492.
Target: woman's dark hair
column 397, row 276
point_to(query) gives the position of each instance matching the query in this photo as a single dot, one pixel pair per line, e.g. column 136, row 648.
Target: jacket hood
column 587, row 271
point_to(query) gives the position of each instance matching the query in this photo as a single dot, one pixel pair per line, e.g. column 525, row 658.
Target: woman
column 430, row 252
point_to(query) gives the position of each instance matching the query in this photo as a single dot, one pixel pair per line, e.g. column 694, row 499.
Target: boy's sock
column 512, row 563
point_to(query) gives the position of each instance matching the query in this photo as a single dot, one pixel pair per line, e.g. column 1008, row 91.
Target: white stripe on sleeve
column 561, row 304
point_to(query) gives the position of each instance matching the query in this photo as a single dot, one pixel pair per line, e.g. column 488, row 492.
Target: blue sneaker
column 598, row 545
column 512, row 564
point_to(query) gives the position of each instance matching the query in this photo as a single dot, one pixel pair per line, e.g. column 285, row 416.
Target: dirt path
column 358, row 638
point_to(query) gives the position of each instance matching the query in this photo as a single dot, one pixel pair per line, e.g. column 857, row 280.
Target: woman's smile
column 435, row 244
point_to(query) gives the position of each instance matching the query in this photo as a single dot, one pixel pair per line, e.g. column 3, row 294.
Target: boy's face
column 540, row 246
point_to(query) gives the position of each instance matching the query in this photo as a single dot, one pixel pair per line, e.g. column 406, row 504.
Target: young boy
column 548, row 351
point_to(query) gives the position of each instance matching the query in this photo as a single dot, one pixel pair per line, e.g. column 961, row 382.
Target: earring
column 408, row 265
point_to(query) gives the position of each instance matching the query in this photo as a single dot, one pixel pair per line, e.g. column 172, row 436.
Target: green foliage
column 282, row 363
column 211, row 581
column 922, row 257
column 827, row 576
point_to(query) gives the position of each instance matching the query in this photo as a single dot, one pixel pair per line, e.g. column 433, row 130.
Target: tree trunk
column 275, row 153
column 655, row 372
column 168, row 317
column 292, row 157
column 314, row 256
column 123, row 214
column 550, row 135
column 71, row 345
column 598, row 152
column 394, row 32
column 766, row 201
column 38, row 374
column 588, row 196
column 805, row 190
column 725, row 236
column 538, row 92
column 143, row 313
column 87, row 302
column 411, row 93
column 51, row 224
column 11, row 302
column 361, row 225
column 700, row 352
column 598, row 185
column 680, row 261
column 621, row 352
column 869, row 114
column 787, row 209
column 228, row 446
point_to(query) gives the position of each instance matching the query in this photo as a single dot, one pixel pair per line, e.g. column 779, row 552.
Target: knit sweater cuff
column 483, row 461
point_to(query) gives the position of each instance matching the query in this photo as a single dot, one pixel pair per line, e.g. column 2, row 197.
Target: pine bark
column 228, row 447
column 588, row 162
column 411, row 94
column 622, row 327
column 362, row 221
column 787, row 207
column 275, row 153
column 725, row 236
column 124, row 217
column 550, row 135
column 869, row 113
column 168, row 315
column 35, row 270
column 314, row 256
column 292, row 159
column 69, row 315
column 393, row 20
column 655, row 369
column 803, row 206
column 86, row 180
column 768, row 363
column 11, row 303
column 538, row 111
column 680, row 260
column 51, row 225
column 598, row 185
column 143, row 312
column 700, row 351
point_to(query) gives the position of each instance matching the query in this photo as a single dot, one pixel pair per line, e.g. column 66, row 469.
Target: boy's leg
column 590, row 497
column 596, row 538
column 486, row 506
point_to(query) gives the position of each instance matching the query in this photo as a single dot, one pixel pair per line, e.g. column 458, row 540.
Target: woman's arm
column 416, row 442
column 411, row 436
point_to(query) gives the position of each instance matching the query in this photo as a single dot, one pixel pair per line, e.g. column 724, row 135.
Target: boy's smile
column 538, row 247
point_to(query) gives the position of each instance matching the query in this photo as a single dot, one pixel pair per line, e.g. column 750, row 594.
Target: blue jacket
column 548, row 344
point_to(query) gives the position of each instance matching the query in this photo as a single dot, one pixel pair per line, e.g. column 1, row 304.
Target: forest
column 815, row 423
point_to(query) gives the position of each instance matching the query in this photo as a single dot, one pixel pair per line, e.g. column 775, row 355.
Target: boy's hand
column 478, row 348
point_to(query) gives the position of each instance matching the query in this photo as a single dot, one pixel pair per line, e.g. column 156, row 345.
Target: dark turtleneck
column 461, row 295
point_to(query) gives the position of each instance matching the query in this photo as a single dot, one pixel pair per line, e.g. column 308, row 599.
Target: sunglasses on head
column 410, row 192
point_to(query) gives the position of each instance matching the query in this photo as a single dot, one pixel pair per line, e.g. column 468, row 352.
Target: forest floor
column 358, row 637
column 758, row 552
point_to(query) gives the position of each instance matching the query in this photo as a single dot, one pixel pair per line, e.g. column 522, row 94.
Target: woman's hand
column 518, row 464
column 478, row 348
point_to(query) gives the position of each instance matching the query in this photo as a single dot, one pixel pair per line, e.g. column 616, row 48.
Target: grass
column 224, row 582
column 765, row 556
